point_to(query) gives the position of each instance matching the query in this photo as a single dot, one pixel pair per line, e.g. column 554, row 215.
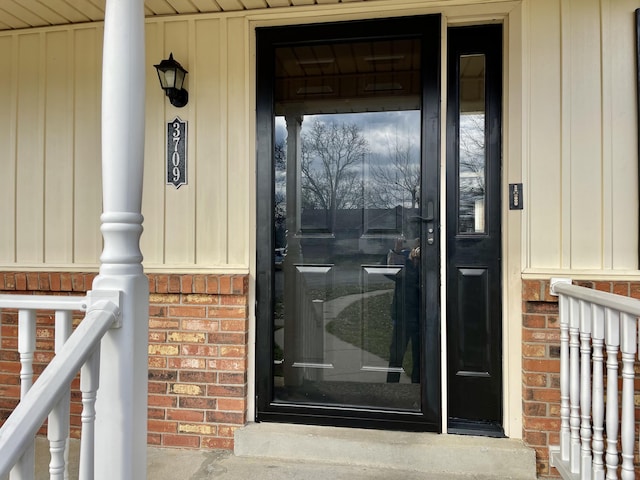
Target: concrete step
column 443, row 456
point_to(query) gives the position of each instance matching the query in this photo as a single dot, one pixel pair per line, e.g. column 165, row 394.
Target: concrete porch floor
column 295, row 452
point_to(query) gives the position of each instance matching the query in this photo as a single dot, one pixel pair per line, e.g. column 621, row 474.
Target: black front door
column 349, row 259
column 349, row 200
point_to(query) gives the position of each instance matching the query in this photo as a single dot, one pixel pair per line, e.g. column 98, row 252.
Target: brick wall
column 541, row 365
column 197, row 353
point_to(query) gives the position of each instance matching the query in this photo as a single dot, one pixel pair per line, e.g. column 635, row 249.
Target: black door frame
column 428, row 29
column 475, row 392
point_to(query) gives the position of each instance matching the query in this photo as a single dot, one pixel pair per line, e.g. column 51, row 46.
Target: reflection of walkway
column 350, row 363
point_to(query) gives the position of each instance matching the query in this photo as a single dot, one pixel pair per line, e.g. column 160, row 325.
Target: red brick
column 232, row 378
column 154, row 439
column 534, row 321
column 530, row 365
column 535, row 379
column 65, row 282
column 541, row 307
column 190, row 441
column 164, row 324
column 162, row 284
column 21, row 281
column 199, row 350
column 199, row 284
column 187, row 311
column 541, row 424
column 201, row 403
column 32, row 281
column 236, row 418
column 227, row 312
column 534, row 409
column 603, row 286
column 54, row 282
column 233, row 300
column 162, row 400
column 156, row 413
column 225, row 391
column 227, row 338
column 225, row 285
column 205, row 325
column 232, row 404
column 535, row 438
column 43, row 282
column 185, row 415
column 233, row 325
column 161, row 426
column 174, row 284
column 186, row 284
column 531, row 290
column 534, row 350
column 157, row 311
column 197, row 377
column 212, row 284
column 77, row 282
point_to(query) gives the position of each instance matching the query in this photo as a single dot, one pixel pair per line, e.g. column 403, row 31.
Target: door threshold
column 460, row 426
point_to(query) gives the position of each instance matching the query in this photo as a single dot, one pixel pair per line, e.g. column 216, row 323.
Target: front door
column 349, row 200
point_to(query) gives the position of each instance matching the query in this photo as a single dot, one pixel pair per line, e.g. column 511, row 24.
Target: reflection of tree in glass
column 280, row 199
column 330, row 180
column 471, row 174
column 472, row 155
column 396, row 181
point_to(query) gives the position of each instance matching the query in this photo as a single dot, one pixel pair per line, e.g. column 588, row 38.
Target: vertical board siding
column 237, row 141
column 580, row 164
column 180, row 203
column 152, row 240
column 87, row 68
column 585, row 135
column 8, row 153
column 208, row 140
column 59, row 115
column 545, row 134
column 30, row 152
column 622, row 125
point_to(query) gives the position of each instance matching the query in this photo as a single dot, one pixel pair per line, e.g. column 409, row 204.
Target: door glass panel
column 472, row 158
column 347, row 194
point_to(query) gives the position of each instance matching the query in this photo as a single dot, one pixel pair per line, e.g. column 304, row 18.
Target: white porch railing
column 596, row 327
column 50, row 395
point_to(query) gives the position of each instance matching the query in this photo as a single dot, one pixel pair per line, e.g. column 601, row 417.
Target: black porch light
column 171, row 75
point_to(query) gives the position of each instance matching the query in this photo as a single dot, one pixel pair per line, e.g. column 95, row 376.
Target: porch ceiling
column 17, row 14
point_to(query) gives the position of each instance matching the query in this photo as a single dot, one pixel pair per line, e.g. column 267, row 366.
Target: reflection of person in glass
column 405, row 310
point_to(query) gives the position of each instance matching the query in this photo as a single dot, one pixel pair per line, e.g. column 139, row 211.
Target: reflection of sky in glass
column 379, row 128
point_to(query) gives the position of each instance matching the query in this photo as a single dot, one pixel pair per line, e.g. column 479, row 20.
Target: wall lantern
column 171, row 75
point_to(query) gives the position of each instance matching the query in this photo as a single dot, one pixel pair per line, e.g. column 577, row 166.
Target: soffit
column 19, row 14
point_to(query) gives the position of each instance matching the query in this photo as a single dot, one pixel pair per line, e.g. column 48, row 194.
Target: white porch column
column 121, row 408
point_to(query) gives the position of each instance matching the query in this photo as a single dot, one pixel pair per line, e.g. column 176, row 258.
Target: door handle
column 430, row 219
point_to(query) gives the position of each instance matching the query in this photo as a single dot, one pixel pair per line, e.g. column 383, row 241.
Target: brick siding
column 197, row 353
column 541, row 365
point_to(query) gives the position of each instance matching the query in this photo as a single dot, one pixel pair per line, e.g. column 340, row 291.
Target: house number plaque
column 177, row 152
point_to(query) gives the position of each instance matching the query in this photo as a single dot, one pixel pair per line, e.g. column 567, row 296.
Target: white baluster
column 89, row 381
column 574, row 385
column 628, row 347
column 26, row 348
column 585, row 390
column 58, row 426
column 565, row 434
column 597, row 337
column 25, row 468
column 612, row 340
